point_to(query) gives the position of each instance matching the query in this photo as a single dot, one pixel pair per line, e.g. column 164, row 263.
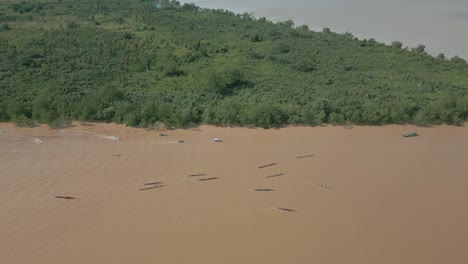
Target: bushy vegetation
column 145, row 63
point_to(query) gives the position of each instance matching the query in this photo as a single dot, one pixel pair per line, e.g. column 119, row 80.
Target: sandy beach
column 324, row 195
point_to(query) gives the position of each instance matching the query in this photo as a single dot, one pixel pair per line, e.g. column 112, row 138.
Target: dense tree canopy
column 145, row 63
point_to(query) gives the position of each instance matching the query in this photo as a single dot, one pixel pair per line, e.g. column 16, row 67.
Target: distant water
column 441, row 25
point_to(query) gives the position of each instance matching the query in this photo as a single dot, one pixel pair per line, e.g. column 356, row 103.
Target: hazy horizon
column 442, row 26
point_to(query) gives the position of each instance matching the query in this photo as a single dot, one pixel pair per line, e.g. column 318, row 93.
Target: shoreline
column 350, row 126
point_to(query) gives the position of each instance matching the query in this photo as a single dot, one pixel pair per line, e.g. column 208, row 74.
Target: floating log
column 274, row 175
column 64, row 197
column 208, row 179
column 267, row 165
column 152, row 187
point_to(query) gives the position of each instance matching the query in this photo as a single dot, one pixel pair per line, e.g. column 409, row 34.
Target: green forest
column 161, row 63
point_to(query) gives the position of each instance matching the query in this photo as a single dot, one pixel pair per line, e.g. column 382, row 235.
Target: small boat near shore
column 410, row 134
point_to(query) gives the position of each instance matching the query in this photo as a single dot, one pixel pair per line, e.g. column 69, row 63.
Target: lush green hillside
column 146, row 63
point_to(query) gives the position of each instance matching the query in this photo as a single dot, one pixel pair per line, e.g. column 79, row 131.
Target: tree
column 266, row 115
column 304, row 28
column 457, row 60
column 337, row 118
column 5, row 27
column 225, row 82
column 283, row 47
column 289, row 23
column 72, row 24
column 396, row 45
column 419, row 49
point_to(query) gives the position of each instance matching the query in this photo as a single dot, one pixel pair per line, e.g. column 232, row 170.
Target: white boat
column 38, row 141
column 410, row 134
column 218, row 140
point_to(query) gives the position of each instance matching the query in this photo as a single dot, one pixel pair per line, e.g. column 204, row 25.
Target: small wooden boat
column 152, row 187
column 64, row 197
column 208, row 179
column 153, row 183
column 410, row 134
column 267, row 165
column 38, row 141
column 274, row 175
column 305, row 156
column 286, row 209
column 264, row 190
column 197, row 175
